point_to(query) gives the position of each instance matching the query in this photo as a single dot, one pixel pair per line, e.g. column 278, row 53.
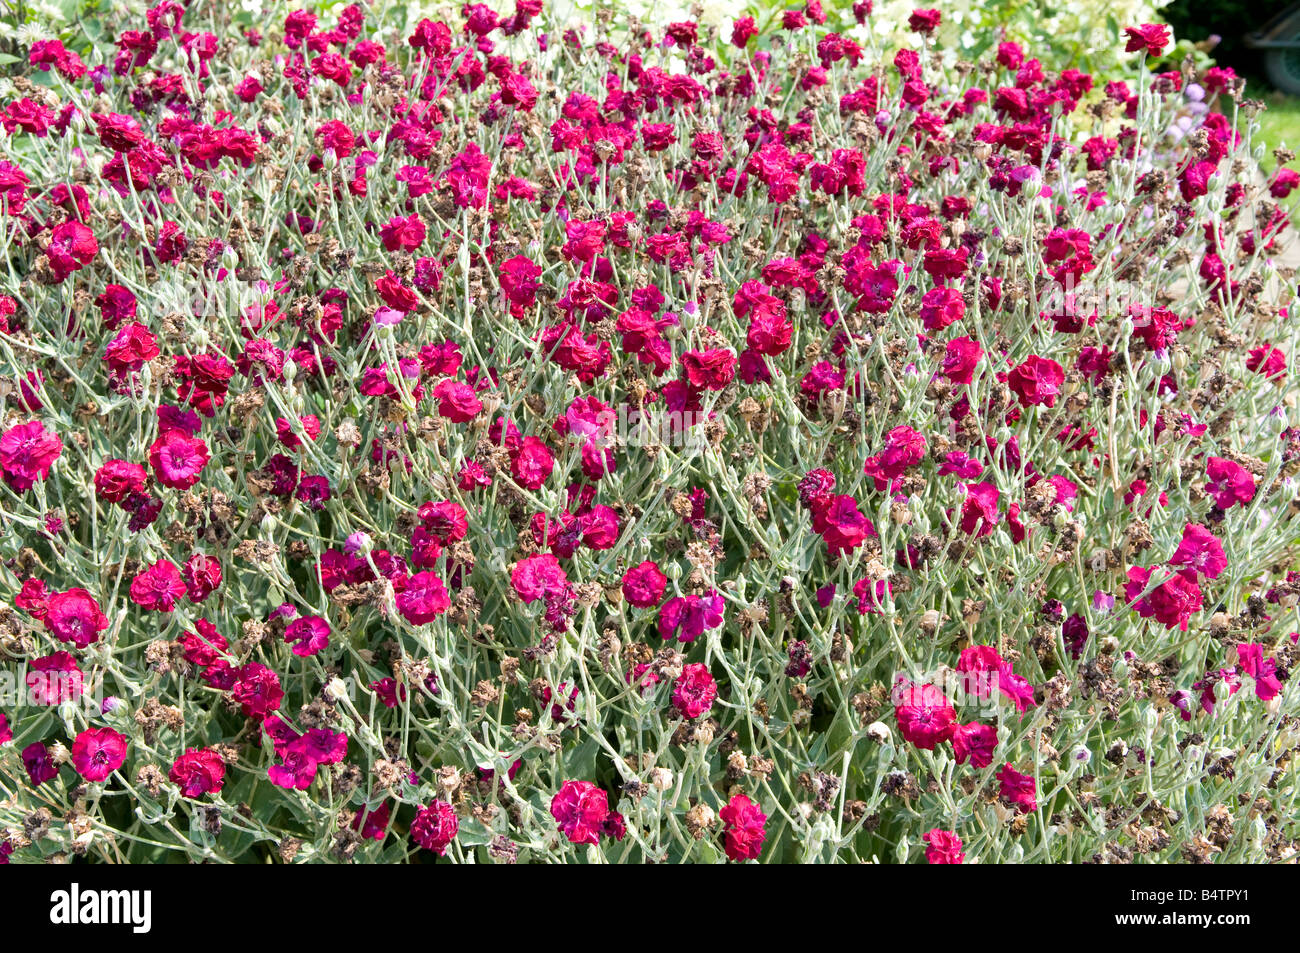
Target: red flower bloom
column 435, row 826
column 924, row 21
column 976, row 743
column 960, row 359
column 71, row 246
column 27, row 451
column 98, row 752
column 197, row 772
column 644, row 585
column 158, row 587
column 1017, row 789
column 1228, row 483
column 744, row 822
column 943, row 847
column 1154, row 37
column 178, row 459
column 694, row 691
column 117, row 480
column 1172, row 603
column 423, row 598
column 1200, row 550
column 257, row 690
column 532, row 464
column 403, row 234
column 580, row 810
column 925, row 716
column 74, row 616
column 710, row 370
column 979, row 511
column 534, row 576
column 1037, row 381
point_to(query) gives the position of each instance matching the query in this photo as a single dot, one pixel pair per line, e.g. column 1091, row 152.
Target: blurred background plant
column 78, row 23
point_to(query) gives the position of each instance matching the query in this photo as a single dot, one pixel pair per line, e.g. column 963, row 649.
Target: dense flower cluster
column 502, row 439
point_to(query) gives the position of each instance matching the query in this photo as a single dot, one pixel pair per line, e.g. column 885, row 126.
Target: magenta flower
column 178, row 459
column 308, row 634
column 27, row 451
column 296, row 771
column 1017, row 789
column 581, row 810
column 839, row 521
column 257, row 690
column 534, row 576
column 456, row 401
column 532, row 464
column 1201, row 551
column 1171, row 603
column 961, row 356
column 943, row 847
column 1228, row 483
column 117, row 480
column 924, row 714
column 979, row 511
column 685, row 618
column 423, row 598
column 435, row 827
column 975, row 743
column 39, row 763
column 373, row 824
column 403, row 234
column 71, row 247
column 709, row 370
column 158, row 587
column 54, row 679
column 694, row 691
column 644, row 585
column 468, row 177
column 98, row 752
column 1261, row 670
column 202, row 575
column 745, row 825
column 322, row 745
column 1037, row 381
column 1150, row 37
column 197, row 772
column 904, row 448
column 74, row 616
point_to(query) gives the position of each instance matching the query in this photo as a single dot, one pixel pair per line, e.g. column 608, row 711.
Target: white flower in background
column 50, row 12
column 30, row 33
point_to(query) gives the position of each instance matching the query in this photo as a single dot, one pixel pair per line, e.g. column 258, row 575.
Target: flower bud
column 1277, row 420
column 901, row 851
column 1150, row 719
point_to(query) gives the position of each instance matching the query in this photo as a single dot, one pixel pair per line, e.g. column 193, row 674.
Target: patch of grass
column 1279, row 124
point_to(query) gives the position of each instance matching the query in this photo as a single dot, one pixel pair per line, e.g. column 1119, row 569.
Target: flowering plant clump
column 496, row 438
